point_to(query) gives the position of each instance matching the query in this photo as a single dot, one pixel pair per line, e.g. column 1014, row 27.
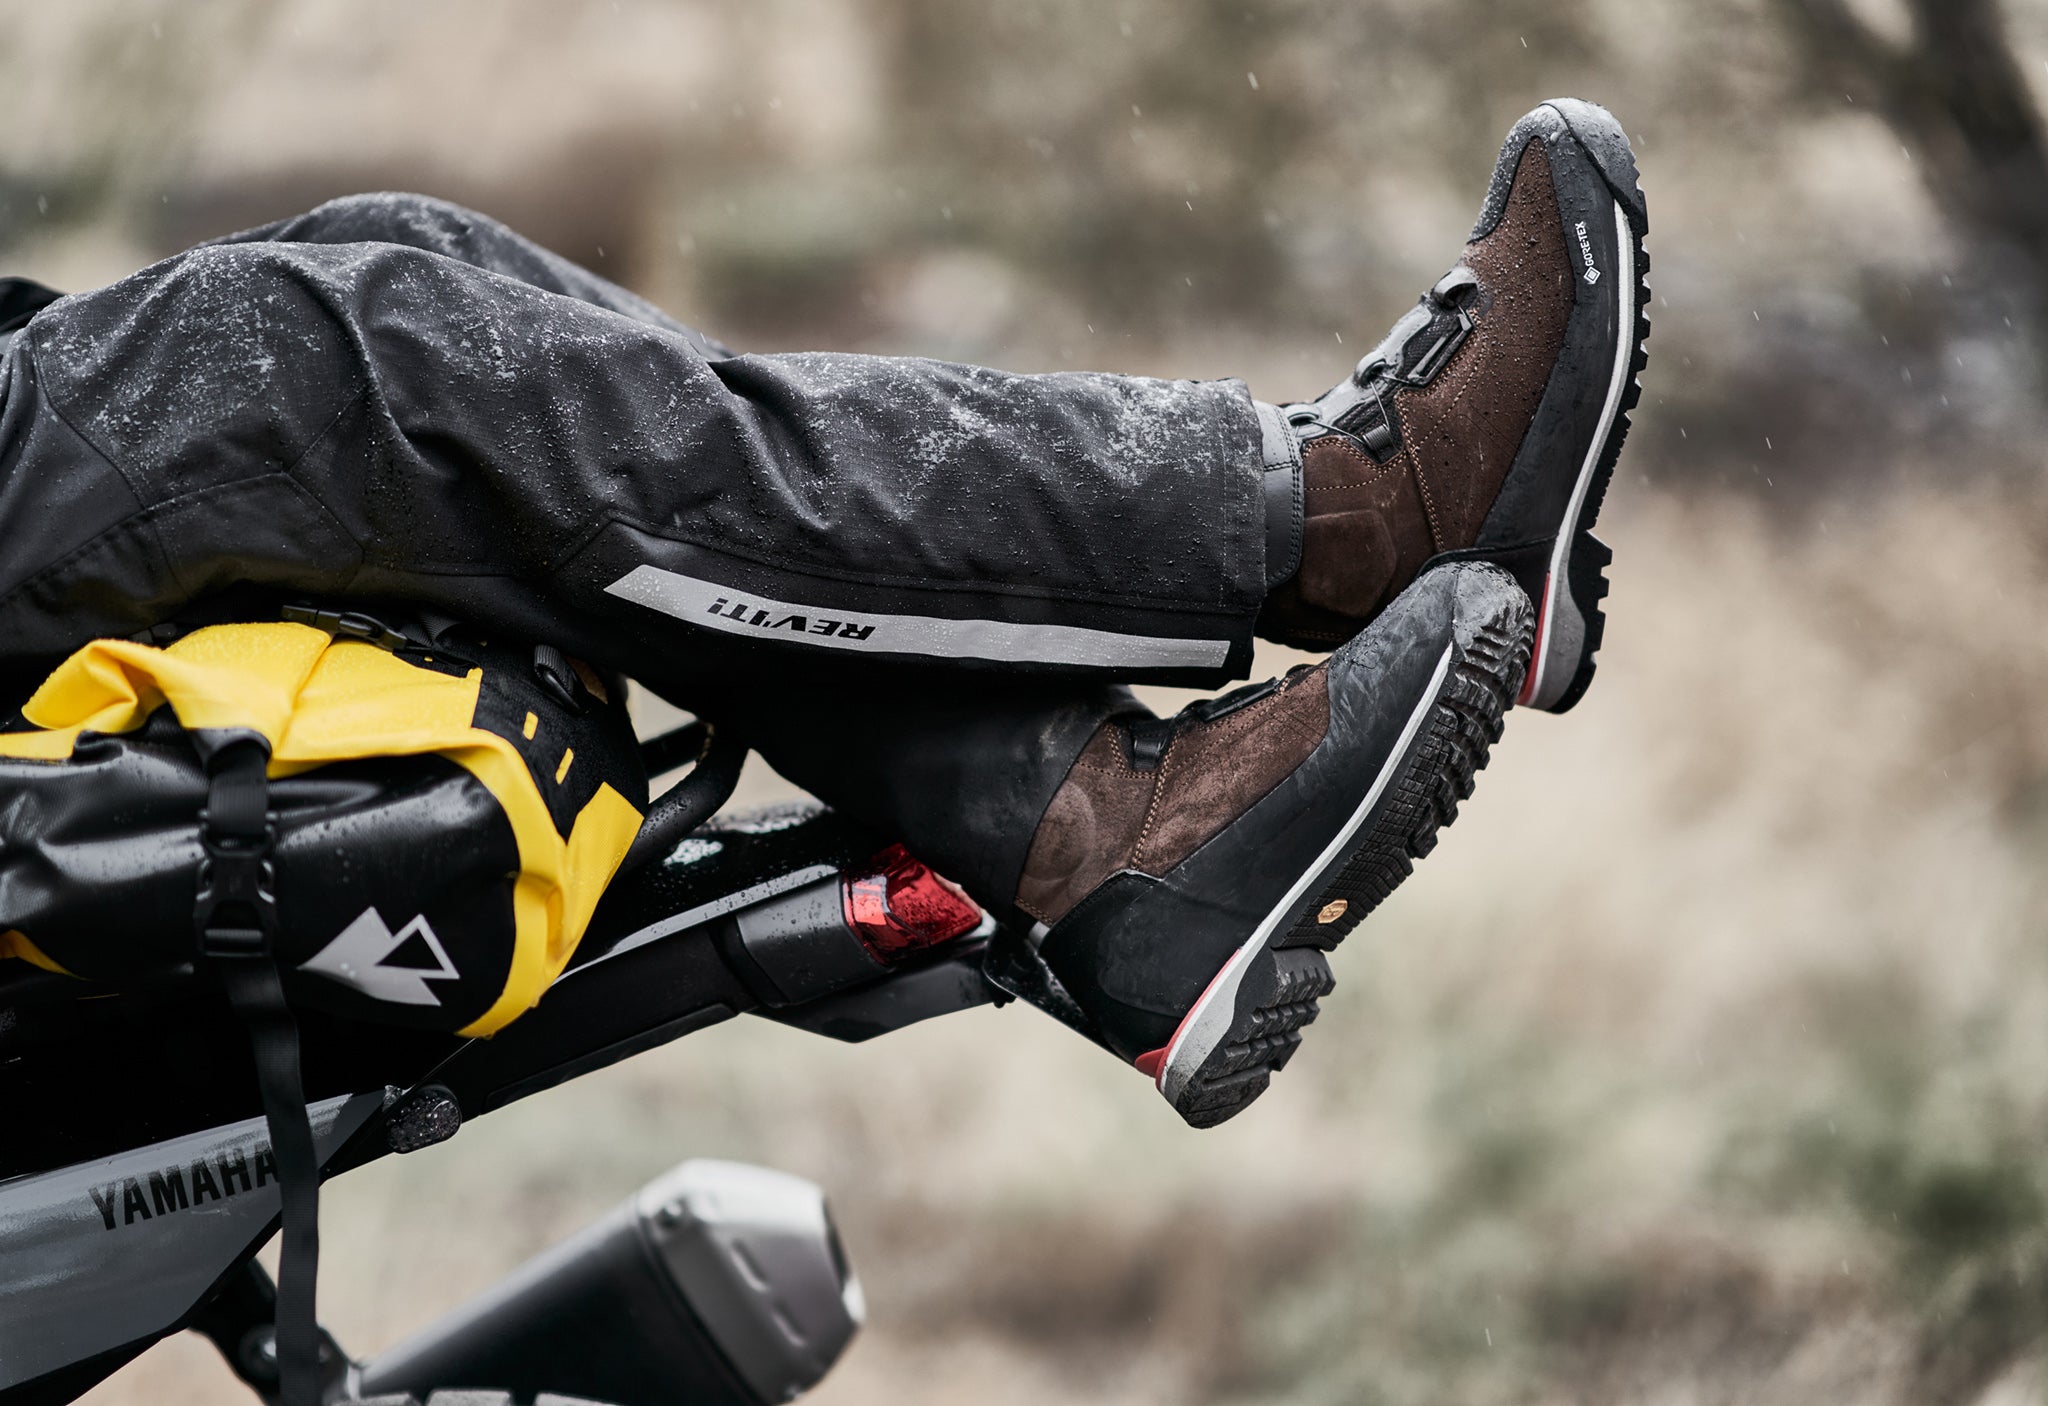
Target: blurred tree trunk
column 1957, row 98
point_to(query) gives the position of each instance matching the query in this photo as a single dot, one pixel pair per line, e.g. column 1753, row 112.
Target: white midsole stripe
column 1617, row 383
column 1210, row 1020
column 715, row 607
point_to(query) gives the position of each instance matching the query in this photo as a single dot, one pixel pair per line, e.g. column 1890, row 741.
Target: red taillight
column 896, row 905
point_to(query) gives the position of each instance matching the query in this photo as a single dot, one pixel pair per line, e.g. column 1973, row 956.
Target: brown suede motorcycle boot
column 1191, row 872
column 1487, row 423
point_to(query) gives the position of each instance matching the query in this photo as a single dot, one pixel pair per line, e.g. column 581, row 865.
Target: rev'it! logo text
column 748, row 614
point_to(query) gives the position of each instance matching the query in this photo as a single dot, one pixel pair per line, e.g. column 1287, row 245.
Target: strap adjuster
column 234, row 912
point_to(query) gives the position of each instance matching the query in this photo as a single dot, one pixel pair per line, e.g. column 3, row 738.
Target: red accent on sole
column 1528, row 691
column 1157, row 1058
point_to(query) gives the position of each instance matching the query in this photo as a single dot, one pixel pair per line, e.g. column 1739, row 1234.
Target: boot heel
column 1263, row 1040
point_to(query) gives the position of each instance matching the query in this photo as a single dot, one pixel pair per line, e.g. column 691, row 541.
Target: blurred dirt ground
column 1706, row 1061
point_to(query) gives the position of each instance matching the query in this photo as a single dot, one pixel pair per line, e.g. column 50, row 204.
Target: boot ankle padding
column 1366, row 535
column 1109, row 815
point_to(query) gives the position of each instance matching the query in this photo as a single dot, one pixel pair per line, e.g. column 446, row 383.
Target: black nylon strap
column 236, row 918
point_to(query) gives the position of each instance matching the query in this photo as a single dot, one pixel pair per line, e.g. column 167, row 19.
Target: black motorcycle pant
column 913, row 585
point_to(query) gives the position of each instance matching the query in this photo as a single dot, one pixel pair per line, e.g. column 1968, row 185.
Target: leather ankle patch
column 1089, row 830
column 1217, row 771
column 1110, row 815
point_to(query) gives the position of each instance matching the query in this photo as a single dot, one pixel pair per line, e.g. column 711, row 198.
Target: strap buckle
column 235, row 912
column 348, row 625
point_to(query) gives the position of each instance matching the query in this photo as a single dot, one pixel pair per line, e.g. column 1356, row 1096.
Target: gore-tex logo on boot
column 796, row 624
column 1586, row 248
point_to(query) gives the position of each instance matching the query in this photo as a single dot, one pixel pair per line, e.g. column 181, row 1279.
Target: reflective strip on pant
column 717, row 607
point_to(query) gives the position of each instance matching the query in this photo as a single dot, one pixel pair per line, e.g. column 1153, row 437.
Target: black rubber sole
column 1590, row 556
column 1586, row 578
column 1279, row 994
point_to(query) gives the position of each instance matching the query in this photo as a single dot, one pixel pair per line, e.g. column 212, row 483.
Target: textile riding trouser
column 854, row 558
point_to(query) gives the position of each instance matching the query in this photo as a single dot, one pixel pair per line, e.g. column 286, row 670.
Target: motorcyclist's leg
column 373, row 421
column 444, row 228
column 959, row 769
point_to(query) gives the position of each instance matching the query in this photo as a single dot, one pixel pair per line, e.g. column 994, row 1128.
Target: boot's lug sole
column 1247, row 1023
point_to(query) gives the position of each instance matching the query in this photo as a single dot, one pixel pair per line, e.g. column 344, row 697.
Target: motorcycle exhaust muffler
column 717, row 1283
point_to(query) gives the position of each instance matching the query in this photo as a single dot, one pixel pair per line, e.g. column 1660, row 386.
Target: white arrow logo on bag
column 356, row 958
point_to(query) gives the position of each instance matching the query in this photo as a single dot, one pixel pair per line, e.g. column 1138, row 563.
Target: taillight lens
column 897, row 905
